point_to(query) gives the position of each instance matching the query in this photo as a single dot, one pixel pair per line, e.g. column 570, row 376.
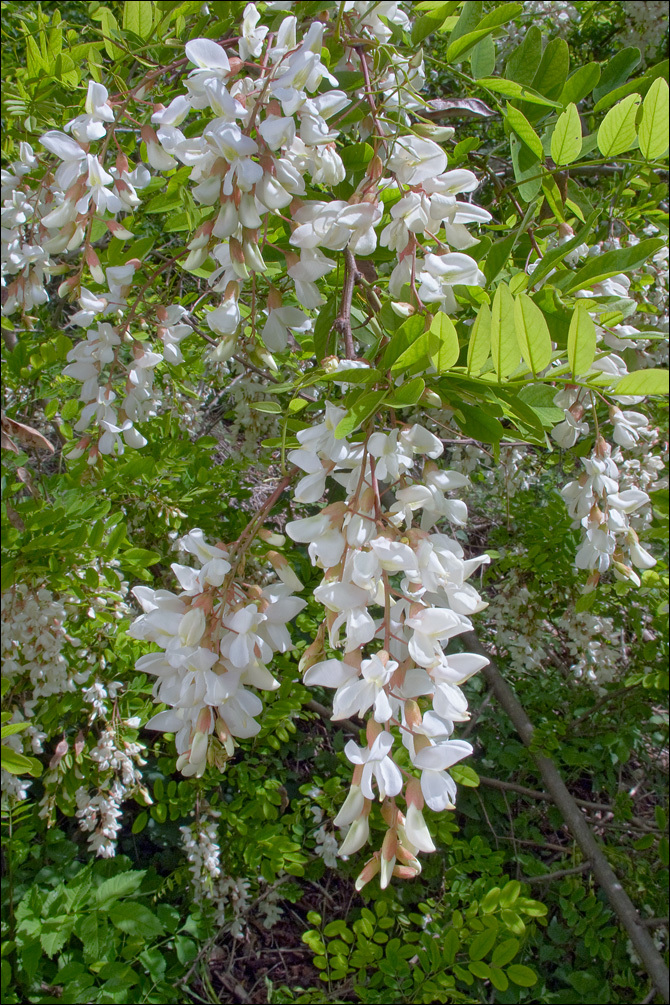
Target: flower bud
column 368, row 872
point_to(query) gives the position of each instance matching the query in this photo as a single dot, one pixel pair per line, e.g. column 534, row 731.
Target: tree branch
column 550, row 877
column 342, row 322
column 619, row 900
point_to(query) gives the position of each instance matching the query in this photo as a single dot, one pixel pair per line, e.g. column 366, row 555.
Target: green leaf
column 498, row 978
column 653, row 131
column 617, row 130
column 447, row 351
column 110, row 28
column 527, row 169
column 556, row 255
column 566, row 139
column 479, row 346
column 497, row 256
column 643, row 382
column 510, row 89
column 53, row 939
column 540, row 397
column 494, row 19
column 13, row 727
column 483, row 58
column 505, row 952
column 504, row 345
column 479, row 424
column 580, row 83
column 510, row 893
column 418, row 354
column 135, row 919
column 581, row 340
column 463, row 774
column 466, row 42
column 432, row 21
column 266, row 406
column 491, row 900
column 523, row 976
column 523, row 63
column 512, row 921
column 19, row 764
column 121, row 885
column 479, row 969
column 408, row 332
column 35, row 62
column 324, row 337
column 553, row 69
column 407, row 394
column 358, row 413
column 140, row 557
column 138, row 17
column 532, row 334
column 610, row 264
column 522, row 127
column 469, row 18
column 616, row 71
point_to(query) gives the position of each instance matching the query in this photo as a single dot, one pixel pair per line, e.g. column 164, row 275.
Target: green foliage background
column 485, row 921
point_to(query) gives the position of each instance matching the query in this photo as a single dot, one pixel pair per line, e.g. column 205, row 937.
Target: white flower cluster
column 270, row 134
column 265, row 136
column 33, row 636
column 229, row 897
column 25, row 261
column 646, row 25
column 326, row 842
column 118, row 762
column 376, row 559
column 596, row 502
column 217, row 636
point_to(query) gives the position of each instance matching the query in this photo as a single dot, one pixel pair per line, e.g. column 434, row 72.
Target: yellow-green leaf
column 644, row 382
column 617, row 130
column 653, row 131
column 138, row 17
column 479, row 348
column 447, row 349
column 523, row 976
column 566, row 140
column 581, row 340
column 504, row 346
column 522, row 127
column 359, row 412
column 532, row 333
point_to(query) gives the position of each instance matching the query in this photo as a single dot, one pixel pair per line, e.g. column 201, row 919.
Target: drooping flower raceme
column 217, row 637
column 395, row 595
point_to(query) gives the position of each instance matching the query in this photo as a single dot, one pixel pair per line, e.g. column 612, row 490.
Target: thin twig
column 550, row 877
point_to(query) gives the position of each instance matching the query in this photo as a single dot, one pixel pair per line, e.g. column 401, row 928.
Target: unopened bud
column 59, row 753
column 431, row 398
column 94, row 266
column 368, row 872
column 439, row 134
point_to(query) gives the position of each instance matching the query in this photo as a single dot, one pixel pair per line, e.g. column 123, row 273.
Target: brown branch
column 550, row 877
column 326, row 713
column 342, row 322
column 612, row 696
column 495, row 783
column 619, row 900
